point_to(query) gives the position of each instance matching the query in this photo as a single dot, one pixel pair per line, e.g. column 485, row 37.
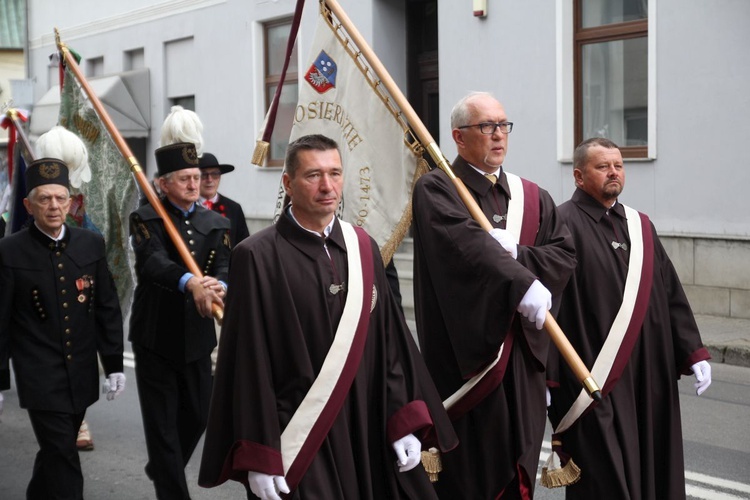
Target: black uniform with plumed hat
column 59, row 317
column 171, row 341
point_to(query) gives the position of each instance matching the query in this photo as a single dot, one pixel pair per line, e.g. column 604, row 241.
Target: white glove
column 1, row 403
column 549, row 397
column 702, row 371
column 114, row 385
column 267, row 487
column 507, row 240
column 535, row 304
column 408, row 451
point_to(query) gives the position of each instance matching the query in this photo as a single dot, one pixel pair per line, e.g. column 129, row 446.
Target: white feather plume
column 182, row 125
column 64, row 145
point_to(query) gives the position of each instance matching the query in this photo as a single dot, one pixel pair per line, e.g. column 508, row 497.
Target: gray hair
column 462, row 111
column 32, row 194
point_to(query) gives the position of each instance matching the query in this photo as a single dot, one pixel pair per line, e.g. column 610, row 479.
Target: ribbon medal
column 82, row 284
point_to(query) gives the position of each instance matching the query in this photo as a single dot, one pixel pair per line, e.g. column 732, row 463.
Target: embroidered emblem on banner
column 322, row 74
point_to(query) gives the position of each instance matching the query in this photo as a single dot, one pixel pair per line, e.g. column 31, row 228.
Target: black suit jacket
column 164, row 319
column 58, row 308
column 232, row 211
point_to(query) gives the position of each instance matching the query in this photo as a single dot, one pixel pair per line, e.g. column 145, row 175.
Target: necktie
column 208, row 204
column 492, row 178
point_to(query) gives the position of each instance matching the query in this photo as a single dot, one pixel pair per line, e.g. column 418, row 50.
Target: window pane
column 95, row 66
column 615, row 91
column 187, row 102
column 601, row 12
column 278, row 37
column 284, row 119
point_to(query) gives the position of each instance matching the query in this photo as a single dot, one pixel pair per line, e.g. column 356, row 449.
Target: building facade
column 666, row 79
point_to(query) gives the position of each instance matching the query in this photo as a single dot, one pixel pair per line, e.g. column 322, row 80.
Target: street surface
column 715, row 429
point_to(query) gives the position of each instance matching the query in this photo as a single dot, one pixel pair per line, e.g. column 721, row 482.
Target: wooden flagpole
column 140, row 177
column 558, row 337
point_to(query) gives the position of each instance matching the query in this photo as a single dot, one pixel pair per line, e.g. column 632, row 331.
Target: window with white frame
column 275, row 37
column 134, row 59
column 179, row 58
column 611, row 66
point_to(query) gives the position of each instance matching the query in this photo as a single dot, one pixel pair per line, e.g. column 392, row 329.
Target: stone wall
column 714, row 272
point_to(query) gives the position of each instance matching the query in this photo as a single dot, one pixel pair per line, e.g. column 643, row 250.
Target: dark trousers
column 174, row 406
column 57, row 468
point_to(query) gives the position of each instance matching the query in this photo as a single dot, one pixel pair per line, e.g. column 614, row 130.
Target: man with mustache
column 630, row 444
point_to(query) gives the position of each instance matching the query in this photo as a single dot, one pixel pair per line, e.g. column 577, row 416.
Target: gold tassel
column 260, row 153
column 432, row 463
column 555, row 476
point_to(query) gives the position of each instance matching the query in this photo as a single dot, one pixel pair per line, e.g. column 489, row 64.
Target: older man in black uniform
column 171, row 328
column 58, row 308
column 211, row 172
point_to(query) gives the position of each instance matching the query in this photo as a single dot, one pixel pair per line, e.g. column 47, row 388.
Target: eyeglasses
column 488, row 128
column 212, row 175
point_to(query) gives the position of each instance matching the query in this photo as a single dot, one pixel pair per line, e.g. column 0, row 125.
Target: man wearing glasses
column 211, row 172
column 487, row 362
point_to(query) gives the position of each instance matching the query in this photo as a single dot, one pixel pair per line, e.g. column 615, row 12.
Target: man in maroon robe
column 285, row 315
column 469, row 285
column 630, row 445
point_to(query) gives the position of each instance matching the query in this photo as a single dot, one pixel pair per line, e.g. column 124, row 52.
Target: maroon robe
column 467, row 289
column 630, row 445
column 280, row 319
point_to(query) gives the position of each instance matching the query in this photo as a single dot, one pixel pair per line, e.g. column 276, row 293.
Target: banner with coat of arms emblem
column 341, row 98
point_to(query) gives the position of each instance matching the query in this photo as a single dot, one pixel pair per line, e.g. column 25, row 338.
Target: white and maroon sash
column 522, row 221
column 316, row 413
column 626, row 326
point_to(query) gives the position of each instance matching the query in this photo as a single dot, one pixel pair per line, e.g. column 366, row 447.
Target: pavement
column 727, row 339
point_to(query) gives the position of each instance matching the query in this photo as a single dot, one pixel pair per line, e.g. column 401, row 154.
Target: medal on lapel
column 499, row 218
column 82, row 284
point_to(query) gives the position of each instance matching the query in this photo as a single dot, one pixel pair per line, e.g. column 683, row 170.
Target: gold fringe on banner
column 260, row 153
column 432, row 463
column 555, row 476
column 402, row 227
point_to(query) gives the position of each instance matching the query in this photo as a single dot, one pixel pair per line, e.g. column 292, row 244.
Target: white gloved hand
column 114, row 385
column 535, row 304
column 506, row 239
column 408, row 451
column 702, row 371
column 265, row 486
column 549, row 397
